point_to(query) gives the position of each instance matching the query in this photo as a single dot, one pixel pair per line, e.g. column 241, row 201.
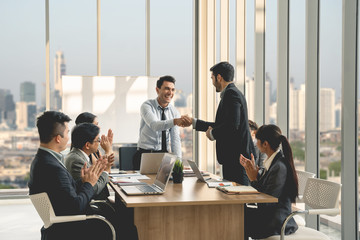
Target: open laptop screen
column 164, row 171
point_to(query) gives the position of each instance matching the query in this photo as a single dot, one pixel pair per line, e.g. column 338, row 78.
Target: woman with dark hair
column 106, row 142
column 278, row 178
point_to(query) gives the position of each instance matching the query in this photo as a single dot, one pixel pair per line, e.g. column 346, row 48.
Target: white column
column 240, row 45
column 349, row 120
column 283, row 67
column 259, row 61
column 47, row 53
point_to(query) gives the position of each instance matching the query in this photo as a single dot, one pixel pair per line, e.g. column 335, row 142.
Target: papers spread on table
column 127, row 179
column 212, row 183
column 237, row 189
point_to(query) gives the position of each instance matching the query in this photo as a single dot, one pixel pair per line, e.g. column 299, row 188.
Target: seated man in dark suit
column 68, row 197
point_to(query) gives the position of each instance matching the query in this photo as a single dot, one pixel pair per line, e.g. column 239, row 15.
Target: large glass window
column 297, row 81
column 22, row 91
column 270, row 61
column 330, row 102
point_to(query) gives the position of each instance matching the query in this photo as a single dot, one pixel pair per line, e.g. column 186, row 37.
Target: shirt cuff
column 211, row 135
column 194, row 122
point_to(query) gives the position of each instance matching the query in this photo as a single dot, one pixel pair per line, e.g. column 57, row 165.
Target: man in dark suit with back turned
column 68, row 197
column 230, row 129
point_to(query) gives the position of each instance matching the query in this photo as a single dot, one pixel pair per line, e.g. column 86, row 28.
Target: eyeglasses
column 97, row 140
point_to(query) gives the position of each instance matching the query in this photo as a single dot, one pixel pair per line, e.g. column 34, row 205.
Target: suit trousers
column 235, row 173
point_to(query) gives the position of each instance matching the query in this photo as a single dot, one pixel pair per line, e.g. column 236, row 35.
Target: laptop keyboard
column 147, row 188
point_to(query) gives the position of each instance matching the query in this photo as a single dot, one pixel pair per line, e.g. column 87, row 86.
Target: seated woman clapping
column 278, row 178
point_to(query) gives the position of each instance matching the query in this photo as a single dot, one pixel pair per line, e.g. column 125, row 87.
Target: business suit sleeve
column 203, row 125
column 67, row 198
column 275, row 181
column 75, row 170
column 149, row 115
column 232, row 115
column 175, row 138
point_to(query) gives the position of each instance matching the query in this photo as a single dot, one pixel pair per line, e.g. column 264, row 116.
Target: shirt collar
column 85, row 155
column 158, row 105
column 57, row 155
column 223, row 91
column 267, row 162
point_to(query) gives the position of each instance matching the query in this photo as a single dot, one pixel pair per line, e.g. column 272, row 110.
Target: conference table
column 190, row 210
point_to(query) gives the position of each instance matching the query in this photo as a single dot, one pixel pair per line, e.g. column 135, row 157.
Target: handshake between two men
column 186, row 121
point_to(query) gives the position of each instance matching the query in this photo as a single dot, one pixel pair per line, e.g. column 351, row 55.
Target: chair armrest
column 70, row 218
column 93, row 204
column 99, row 217
column 327, row 211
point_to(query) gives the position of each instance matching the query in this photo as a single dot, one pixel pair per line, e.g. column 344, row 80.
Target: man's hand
column 109, row 162
column 110, row 136
column 187, row 121
column 92, row 174
column 178, row 122
column 105, row 144
column 250, row 167
column 208, row 134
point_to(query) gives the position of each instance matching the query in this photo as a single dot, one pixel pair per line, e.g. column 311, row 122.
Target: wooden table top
column 190, row 192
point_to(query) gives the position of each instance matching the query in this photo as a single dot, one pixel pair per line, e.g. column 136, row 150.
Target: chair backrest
column 126, row 155
column 43, row 206
column 321, row 194
column 302, row 179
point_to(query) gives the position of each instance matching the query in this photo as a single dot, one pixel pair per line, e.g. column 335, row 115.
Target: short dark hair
column 252, row 125
column 83, row 133
column 166, row 78
column 225, row 69
column 85, row 117
column 50, row 124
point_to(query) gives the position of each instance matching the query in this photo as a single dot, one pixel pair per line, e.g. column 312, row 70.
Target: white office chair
column 302, row 179
column 323, row 198
column 44, row 208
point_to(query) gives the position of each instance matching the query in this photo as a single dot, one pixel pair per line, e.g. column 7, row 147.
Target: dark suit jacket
column 67, row 197
column 230, row 129
column 270, row 216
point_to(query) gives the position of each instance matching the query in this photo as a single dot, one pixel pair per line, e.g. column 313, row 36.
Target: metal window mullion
column 147, row 27
column 47, row 55
column 283, row 67
column 312, row 94
column 260, row 61
column 240, row 49
column 349, row 119
column 98, row 37
column 224, row 30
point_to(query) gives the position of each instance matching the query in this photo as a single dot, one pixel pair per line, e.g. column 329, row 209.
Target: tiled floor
column 19, row 220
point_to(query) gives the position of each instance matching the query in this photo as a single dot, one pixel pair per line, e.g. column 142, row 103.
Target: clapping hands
column 250, row 167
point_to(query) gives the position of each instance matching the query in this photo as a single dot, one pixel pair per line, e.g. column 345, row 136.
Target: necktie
column 163, row 133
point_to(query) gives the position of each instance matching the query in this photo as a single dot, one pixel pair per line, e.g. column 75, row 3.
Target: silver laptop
column 161, row 180
column 199, row 175
column 150, row 162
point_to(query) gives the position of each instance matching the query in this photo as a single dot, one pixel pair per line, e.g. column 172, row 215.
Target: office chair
column 302, row 179
column 126, row 155
column 322, row 197
column 46, row 212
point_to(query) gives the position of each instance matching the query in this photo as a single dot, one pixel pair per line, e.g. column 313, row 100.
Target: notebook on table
column 150, row 162
column 162, row 178
column 211, row 182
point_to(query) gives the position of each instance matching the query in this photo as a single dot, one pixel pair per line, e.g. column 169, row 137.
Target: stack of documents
column 212, row 183
column 238, row 189
column 127, row 179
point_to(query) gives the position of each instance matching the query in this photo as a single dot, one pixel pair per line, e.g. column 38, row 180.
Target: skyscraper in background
column 59, row 71
column 27, row 92
column 327, row 109
column 7, row 109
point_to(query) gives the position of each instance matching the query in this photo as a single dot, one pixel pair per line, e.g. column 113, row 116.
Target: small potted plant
column 178, row 174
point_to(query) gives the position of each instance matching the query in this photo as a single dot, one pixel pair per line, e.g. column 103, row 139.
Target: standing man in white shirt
column 160, row 121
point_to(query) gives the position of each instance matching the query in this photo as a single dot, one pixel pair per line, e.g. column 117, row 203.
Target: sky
column 73, row 30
